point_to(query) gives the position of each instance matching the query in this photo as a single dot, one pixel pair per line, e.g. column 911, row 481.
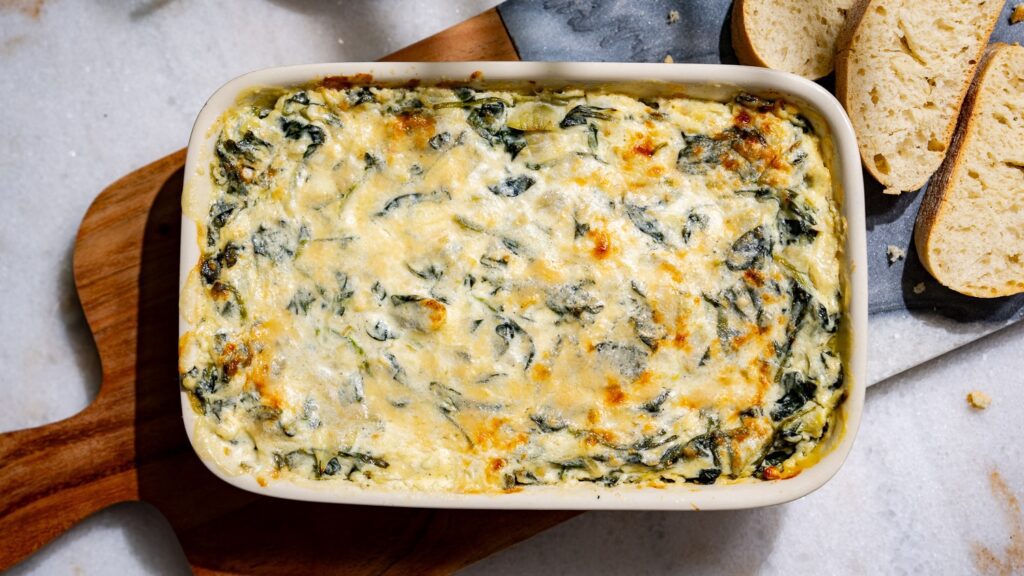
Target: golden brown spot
column 495, row 434
column 407, row 122
column 259, row 377
column 233, row 357
column 497, row 464
column 614, row 395
column 754, row 277
column 476, row 75
column 602, row 243
column 261, row 481
column 593, row 415
column 417, row 126
column 410, row 122
column 656, row 171
column 540, row 372
column 742, row 339
column 681, row 334
column 438, row 313
column 527, row 300
column 671, row 271
column 753, row 148
column 599, row 436
column 344, row 82
column 645, row 148
column 644, row 378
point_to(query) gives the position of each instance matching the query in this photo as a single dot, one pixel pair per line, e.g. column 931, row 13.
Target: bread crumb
column 919, row 288
column 894, row 253
column 978, row 399
column 668, row 59
column 892, row 191
column 1017, row 16
column 673, row 16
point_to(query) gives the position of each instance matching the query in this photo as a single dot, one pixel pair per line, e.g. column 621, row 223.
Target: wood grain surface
column 130, row 443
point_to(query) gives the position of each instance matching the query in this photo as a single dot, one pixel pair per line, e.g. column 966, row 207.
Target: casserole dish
column 715, row 83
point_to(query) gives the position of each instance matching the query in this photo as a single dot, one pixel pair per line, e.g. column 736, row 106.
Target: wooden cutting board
column 130, row 444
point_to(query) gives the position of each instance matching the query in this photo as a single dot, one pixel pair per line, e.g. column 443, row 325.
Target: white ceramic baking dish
column 696, row 80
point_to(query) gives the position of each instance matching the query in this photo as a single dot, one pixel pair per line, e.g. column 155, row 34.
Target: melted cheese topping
column 462, row 291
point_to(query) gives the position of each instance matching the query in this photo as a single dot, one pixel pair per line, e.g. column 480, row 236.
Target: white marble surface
column 91, row 90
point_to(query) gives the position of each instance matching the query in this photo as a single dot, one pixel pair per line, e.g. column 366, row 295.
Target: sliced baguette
column 970, row 230
column 790, row 35
column 902, row 70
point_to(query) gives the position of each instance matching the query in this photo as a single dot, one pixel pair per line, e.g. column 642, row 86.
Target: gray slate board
column 906, row 328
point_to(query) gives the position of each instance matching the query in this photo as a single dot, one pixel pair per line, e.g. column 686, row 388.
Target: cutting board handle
column 53, row 476
column 56, row 475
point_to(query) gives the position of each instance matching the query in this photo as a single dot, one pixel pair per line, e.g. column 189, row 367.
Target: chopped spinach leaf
column 273, row 243
column 706, row 476
column 580, row 229
column 294, row 130
column 750, row 250
column 301, row 301
column 547, row 424
column 654, row 405
column 401, row 201
column 629, row 360
column 441, row 141
column 644, row 223
column 372, row 162
column 798, row 391
column 754, row 102
column 695, row 221
column 378, row 291
column 581, row 113
column 573, row 300
column 360, row 95
column 512, row 187
column 380, row 332
column 700, row 153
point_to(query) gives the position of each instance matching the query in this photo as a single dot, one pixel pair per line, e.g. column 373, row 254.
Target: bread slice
column 902, row 70
column 790, row 35
column 970, row 230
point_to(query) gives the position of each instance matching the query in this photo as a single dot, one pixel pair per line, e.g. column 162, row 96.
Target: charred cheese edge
column 450, row 289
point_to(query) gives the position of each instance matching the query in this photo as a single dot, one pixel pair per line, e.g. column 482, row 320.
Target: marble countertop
column 92, row 90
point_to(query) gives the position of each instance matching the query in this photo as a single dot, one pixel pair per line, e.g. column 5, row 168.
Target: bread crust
column 843, row 43
column 935, row 202
column 741, row 42
column 844, row 88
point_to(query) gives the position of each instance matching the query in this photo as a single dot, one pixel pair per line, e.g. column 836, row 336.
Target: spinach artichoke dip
column 458, row 290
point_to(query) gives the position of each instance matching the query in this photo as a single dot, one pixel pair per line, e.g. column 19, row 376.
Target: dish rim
column 845, row 168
